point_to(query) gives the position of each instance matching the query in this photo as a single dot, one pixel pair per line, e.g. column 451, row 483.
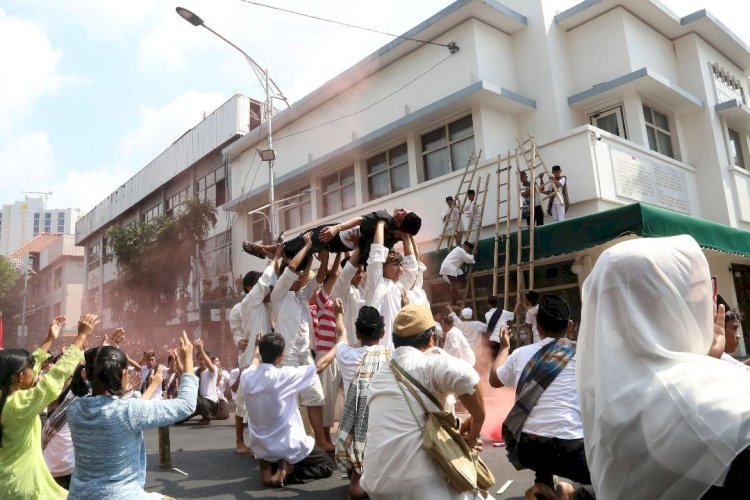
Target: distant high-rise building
column 23, row 220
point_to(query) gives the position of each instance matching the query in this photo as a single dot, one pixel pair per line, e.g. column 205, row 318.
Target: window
column 216, row 253
column 388, row 172
column 57, row 278
column 175, row 201
column 36, row 223
column 259, row 226
column 60, row 222
column 735, row 149
column 94, row 255
column 338, row 191
column 151, row 213
column 212, row 187
column 448, row 148
column 298, row 210
column 657, row 130
column 47, row 222
column 728, row 87
column 610, row 120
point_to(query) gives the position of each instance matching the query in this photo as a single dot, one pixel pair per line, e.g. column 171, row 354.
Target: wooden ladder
column 448, row 235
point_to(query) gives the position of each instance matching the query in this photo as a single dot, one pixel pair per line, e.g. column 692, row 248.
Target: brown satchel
column 442, row 441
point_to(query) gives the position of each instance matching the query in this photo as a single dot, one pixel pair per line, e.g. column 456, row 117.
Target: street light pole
column 272, row 92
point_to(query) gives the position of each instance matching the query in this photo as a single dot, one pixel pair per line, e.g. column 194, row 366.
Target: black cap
column 556, row 168
column 369, row 322
column 553, row 314
column 471, row 191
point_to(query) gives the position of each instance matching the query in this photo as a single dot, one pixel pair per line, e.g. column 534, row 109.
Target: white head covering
column 466, row 313
column 661, row 418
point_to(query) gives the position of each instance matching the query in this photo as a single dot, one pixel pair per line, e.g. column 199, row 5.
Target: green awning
column 644, row 220
column 580, row 233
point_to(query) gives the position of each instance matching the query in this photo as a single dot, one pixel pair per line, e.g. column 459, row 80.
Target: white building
column 23, row 220
column 635, row 103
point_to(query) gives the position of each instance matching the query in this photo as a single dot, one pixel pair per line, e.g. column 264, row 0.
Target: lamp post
column 272, row 92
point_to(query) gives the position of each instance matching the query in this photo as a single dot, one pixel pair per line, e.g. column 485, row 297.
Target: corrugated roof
column 36, row 244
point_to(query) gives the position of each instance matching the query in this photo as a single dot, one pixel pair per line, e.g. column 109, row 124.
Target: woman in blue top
column 107, row 431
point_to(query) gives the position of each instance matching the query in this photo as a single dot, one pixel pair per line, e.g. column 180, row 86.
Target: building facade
column 192, row 166
column 23, row 220
column 636, row 104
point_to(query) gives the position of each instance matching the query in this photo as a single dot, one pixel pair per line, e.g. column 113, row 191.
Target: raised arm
column 52, row 333
column 341, row 336
column 323, row 256
column 155, row 379
column 332, row 275
column 297, row 259
column 143, row 414
column 202, row 353
column 341, row 287
column 501, row 358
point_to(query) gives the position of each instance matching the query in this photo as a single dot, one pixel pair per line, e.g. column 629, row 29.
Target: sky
column 92, row 90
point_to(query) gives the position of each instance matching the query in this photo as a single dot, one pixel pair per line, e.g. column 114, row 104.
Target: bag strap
column 416, row 384
column 494, row 319
column 399, row 378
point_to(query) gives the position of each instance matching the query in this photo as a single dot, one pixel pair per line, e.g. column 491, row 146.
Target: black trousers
column 316, row 465
column 538, row 216
column 548, row 457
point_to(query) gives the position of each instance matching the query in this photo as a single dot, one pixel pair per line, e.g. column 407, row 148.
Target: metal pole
column 25, row 287
column 165, row 452
column 271, row 177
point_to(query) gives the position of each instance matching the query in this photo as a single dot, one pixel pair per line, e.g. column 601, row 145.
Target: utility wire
column 368, row 106
column 449, row 46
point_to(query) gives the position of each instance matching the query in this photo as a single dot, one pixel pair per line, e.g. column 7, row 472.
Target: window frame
column 619, row 112
column 283, row 213
column 740, row 153
column 659, row 130
column 448, row 145
column 338, row 189
column 213, row 179
column 389, row 168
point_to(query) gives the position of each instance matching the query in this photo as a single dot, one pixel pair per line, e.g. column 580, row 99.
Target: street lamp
column 272, row 92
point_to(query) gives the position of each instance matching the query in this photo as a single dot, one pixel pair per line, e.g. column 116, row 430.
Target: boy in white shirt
column 290, row 312
column 450, row 269
column 277, row 435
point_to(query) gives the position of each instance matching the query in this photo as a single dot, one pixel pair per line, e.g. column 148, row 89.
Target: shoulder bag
column 463, row 467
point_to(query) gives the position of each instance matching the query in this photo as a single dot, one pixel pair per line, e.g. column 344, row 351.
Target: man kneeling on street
column 277, row 434
column 544, row 431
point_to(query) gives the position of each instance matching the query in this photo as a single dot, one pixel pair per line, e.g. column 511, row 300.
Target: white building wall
column 646, row 48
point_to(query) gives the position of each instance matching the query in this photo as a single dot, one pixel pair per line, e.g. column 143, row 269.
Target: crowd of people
column 637, row 407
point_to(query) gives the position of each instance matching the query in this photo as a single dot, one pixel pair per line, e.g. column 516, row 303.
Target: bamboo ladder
column 475, row 221
column 448, row 236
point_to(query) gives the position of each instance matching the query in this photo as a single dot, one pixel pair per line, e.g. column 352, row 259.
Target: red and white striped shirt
column 325, row 337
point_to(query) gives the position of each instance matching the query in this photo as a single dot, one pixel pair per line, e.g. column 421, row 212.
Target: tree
column 8, row 276
column 154, row 263
column 11, row 289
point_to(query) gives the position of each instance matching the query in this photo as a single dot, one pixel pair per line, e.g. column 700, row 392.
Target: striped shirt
column 325, row 338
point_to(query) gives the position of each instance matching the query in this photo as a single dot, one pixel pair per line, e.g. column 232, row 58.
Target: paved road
column 206, row 454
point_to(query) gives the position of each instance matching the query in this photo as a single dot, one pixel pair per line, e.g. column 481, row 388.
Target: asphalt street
column 205, row 465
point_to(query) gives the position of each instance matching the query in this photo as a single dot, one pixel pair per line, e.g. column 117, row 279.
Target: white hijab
column 661, row 419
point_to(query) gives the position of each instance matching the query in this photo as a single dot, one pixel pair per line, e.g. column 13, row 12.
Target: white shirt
column 223, row 383
column 207, row 386
column 559, row 199
column 531, row 313
column 450, row 214
column 471, row 214
column 253, row 315
column 291, row 314
column 59, row 454
column 352, row 298
column 393, row 436
column 274, row 422
column 349, row 237
column 233, row 376
column 505, row 316
column 348, row 358
column 145, row 370
column 451, row 265
column 417, row 295
column 732, row 360
column 557, row 412
column 384, row 294
column 456, row 345
column 473, row 330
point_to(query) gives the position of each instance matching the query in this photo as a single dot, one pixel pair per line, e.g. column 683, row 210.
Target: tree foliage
column 8, row 276
column 154, row 263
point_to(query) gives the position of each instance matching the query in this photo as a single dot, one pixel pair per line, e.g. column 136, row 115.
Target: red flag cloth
column 1, row 329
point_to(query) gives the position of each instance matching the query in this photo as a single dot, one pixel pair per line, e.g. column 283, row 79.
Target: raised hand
column 504, row 336
column 87, row 323
column 242, row 344
column 198, row 343
column 186, row 353
column 338, row 307
column 307, row 238
column 134, row 382
column 156, row 375
column 56, row 326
